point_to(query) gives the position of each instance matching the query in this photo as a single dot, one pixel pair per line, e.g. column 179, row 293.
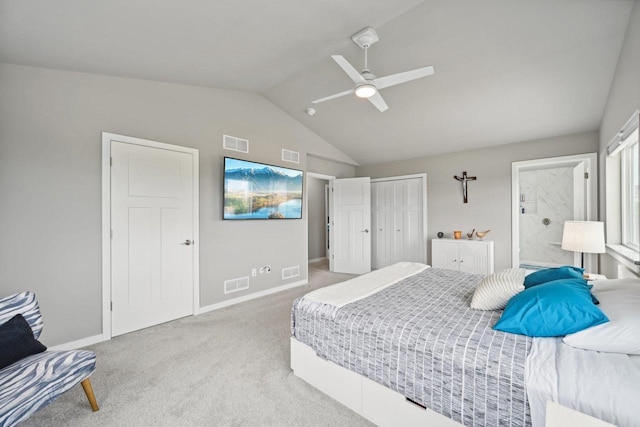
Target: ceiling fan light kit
column 365, row 90
column 367, row 85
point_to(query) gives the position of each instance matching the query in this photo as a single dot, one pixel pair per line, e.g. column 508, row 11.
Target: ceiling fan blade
column 378, row 102
column 337, row 95
column 407, row 76
column 348, row 68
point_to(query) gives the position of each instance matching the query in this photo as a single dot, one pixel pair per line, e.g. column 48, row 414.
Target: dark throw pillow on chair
column 17, row 341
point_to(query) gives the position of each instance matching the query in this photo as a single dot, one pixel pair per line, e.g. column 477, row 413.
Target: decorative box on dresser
column 471, row 256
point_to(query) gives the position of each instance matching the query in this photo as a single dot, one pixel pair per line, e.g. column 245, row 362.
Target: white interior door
column 579, row 200
column 351, row 225
column 152, row 268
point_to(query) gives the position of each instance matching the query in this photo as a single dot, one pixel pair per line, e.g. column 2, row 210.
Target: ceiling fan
column 368, row 85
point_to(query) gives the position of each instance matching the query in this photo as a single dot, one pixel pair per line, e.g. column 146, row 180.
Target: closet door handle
column 366, row 230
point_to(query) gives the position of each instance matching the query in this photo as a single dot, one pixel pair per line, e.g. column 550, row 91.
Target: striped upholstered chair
column 35, row 381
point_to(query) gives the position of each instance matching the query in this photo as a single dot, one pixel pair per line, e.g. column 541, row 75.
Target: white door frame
column 106, row 220
column 424, row 204
column 590, row 161
column 327, row 221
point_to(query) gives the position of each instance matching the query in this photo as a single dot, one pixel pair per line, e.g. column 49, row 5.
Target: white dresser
column 471, row 256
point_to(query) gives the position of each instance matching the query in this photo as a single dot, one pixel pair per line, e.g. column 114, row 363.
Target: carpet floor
column 229, row 367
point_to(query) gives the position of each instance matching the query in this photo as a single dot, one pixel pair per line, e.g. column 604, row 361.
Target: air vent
column 290, row 272
column 290, row 156
column 235, row 144
column 235, row 285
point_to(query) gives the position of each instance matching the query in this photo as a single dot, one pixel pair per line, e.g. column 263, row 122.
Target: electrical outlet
column 266, row 269
column 254, row 273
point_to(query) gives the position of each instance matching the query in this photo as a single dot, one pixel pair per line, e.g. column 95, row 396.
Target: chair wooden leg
column 88, row 390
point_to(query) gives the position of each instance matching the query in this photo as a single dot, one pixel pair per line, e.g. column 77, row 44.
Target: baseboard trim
column 317, row 259
column 249, row 297
column 74, row 345
column 95, row 339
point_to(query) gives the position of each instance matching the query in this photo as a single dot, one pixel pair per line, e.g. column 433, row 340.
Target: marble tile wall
column 546, row 193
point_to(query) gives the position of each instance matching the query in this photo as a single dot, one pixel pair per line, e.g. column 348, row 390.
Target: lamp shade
column 583, row 236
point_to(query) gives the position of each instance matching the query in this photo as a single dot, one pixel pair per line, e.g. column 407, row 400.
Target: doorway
column 150, row 233
column 545, row 194
column 318, row 216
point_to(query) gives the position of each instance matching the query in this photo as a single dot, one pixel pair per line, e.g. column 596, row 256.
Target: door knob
column 187, row 242
column 366, row 230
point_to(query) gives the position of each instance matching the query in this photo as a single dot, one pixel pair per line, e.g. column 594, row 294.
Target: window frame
column 630, row 210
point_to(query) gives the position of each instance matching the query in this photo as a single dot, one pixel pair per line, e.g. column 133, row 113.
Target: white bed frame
column 385, row 407
column 377, row 403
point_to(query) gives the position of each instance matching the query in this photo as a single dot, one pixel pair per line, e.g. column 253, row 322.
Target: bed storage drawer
column 386, row 407
column 333, row 380
column 373, row 401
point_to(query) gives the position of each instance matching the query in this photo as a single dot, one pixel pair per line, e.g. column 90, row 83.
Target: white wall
column 50, row 147
column 326, row 166
column 624, row 99
column 489, row 204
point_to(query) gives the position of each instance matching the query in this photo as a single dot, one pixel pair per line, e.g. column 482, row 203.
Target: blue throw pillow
column 550, row 274
column 552, row 309
column 17, row 341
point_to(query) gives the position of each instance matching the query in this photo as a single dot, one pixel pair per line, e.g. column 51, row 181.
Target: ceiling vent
column 235, row 144
column 235, row 285
column 290, row 156
column 290, row 272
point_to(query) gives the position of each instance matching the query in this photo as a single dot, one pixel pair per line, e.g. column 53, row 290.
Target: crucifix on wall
column 463, row 179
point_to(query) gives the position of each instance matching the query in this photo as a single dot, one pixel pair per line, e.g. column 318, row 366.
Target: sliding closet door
column 397, row 213
column 413, row 216
column 380, row 246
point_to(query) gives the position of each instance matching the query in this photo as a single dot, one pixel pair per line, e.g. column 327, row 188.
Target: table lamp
column 583, row 237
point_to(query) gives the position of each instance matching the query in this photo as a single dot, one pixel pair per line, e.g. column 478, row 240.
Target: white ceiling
column 506, row 70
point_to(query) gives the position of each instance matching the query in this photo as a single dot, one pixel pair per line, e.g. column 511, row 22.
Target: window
column 630, row 196
column 622, row 198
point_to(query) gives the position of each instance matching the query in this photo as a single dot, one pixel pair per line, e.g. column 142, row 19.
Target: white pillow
column 496, row 290
column 620, row 301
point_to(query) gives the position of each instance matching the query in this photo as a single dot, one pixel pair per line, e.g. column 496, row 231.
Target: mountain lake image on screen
column 260, row 191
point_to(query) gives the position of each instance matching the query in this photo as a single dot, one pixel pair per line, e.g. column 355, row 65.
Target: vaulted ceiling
column 505, row 70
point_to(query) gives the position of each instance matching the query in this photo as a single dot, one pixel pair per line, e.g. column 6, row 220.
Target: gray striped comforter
column 420, row 338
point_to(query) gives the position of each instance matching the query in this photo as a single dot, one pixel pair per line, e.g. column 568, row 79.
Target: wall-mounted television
column 255, row 190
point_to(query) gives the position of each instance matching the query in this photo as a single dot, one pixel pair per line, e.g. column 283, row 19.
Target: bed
column 402, row 343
